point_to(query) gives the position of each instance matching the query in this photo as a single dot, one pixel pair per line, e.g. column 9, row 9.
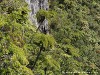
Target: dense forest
column 72, row 46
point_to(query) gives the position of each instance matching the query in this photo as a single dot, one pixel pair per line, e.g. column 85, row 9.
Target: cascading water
column 35, row 6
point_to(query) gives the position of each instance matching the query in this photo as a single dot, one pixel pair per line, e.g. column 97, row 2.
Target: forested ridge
column 72, row 46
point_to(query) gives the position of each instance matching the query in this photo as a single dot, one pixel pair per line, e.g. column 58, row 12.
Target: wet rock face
column 35, row 6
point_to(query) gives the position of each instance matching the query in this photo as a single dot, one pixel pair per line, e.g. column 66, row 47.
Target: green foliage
column 13, row 59
column 45, row 40
column 76, row 31
column 51, row 62
column 73, row 44
column 18, row 54
column 42, row 14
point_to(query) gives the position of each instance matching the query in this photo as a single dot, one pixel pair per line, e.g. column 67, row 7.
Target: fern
column 45, row 40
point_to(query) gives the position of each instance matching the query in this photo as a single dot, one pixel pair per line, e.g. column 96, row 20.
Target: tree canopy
column 72, row 46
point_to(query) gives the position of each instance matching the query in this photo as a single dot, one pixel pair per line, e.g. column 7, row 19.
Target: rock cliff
column 35, row 6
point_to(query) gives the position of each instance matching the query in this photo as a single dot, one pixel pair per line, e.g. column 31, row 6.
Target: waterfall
column 35, row 6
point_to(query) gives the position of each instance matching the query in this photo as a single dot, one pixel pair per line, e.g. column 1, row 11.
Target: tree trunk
column 38, row 55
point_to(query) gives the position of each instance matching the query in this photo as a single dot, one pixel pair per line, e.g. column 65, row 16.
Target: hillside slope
column 72, row 46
